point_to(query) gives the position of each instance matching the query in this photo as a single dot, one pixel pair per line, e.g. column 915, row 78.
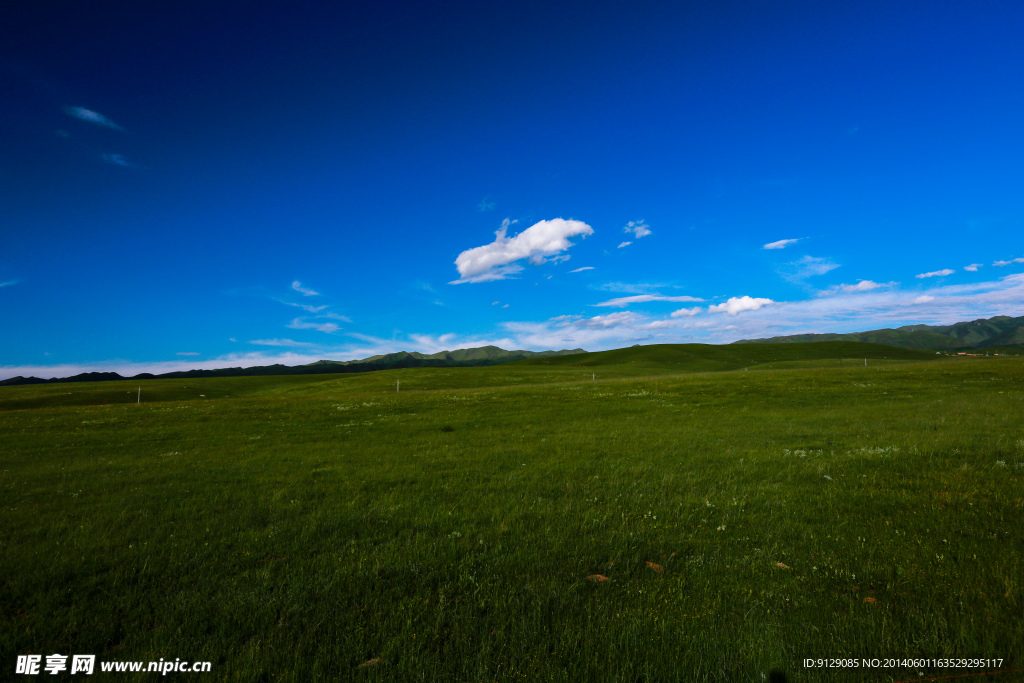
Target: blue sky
column 208, row 185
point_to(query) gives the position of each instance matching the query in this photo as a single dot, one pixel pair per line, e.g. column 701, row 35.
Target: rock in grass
column 371, row 662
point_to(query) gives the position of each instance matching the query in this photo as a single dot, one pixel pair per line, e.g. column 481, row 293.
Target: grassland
column 294, row 528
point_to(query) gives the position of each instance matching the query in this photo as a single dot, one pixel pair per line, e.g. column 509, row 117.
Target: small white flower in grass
column 1000, row 463
column 721, row 528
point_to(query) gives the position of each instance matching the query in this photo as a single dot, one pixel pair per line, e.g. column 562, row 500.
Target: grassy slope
column 292, row 527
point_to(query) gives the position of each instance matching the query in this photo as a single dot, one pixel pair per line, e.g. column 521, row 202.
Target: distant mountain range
column 986, row 333
column 485, row 355
column 1001, row 331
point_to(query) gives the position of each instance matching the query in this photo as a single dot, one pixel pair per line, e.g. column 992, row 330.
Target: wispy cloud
column 861, row 286
column 800, row 270
column 600, row 322
column 844, row 312
column 1007, row 263
column 541, row 242
column 306, row 307
column 297, row 286
column 973, row 267
column 187, row 353
column 580, row 270
column 8, row 283
column 637, row 228
column 301, row 324
column 91, row 116
column 485, row 204
column 686, row 312
column 737, row 304
column 117, row 160
column 643, row 298
column 781, row 244
column 499, row 273
column 624, row 244
column 631, row 288
column 336, row 316
column 936, row 273
column 282, row 342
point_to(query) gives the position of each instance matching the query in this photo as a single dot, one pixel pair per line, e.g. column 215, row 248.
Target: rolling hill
column 485, row 355
column 711, row 357
column 985, row 333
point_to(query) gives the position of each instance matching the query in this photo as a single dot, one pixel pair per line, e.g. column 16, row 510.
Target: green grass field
column 526, row 522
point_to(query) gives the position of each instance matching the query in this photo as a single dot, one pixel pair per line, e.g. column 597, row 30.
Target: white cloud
column 495, row 303
column 297, row 286
column 861, row 286
column 541, row 242
column 603, row 322
column 936, row 273
column 505, row 306
column 737, row 304
column 808, row 266
column 440, row 343
column 923, row 299
column 91, row 116
column 426, row 343
column 485, row 205
column 300, row 324
column 686, row 312
column 187, row 353
column 781, row 244
column 642, row 298
column 624, row 244
column 1006, row 263
column 580, row 270
column 973, row 267
column 8, row 283
column 637, row 228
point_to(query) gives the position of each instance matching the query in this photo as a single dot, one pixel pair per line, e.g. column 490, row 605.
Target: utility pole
column 139, row 400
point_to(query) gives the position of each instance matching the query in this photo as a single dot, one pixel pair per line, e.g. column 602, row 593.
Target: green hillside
column 1001, row 331
column 710, row 357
